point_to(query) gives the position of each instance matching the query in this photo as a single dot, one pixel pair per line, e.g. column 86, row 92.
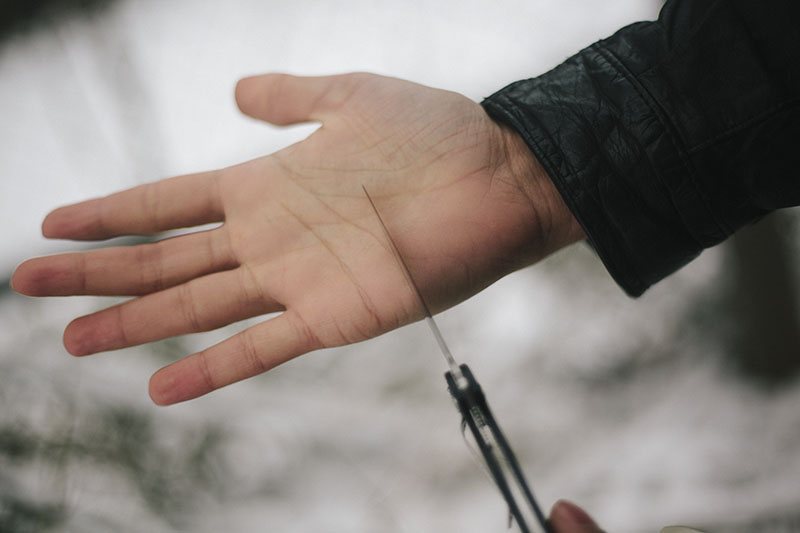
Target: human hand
column 566, row 517
column 463, row 197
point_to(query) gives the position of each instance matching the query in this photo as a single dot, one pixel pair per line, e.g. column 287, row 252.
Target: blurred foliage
column 786, row 521
column 746, row 314
column 5, row 287
column 20, row 516
column 19, row 16
column 172, row 469
column 17, row 512
column 751, row 313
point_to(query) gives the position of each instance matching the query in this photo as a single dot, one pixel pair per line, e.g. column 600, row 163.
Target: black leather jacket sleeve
column 670, row 135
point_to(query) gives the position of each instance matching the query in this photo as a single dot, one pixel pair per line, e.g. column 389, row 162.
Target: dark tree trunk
column 763, row 299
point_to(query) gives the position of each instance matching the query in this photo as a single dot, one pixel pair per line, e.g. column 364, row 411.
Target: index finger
column 172, row 203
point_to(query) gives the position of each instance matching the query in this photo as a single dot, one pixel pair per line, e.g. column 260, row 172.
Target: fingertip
column 285, row 99
column 169, row 386
column 91, row 334
column 240, row 92
column 247, row 94
column 73, row 341
column 72, row 222
column 156, row 391
column 53, row 224
column 566, row 517
column 21, row 279
column 47, row 227
column 39, row 277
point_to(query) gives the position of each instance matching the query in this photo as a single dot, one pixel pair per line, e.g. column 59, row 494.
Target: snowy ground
column 620, row 405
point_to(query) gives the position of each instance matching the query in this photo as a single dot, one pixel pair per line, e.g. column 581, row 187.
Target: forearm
column 670, row 135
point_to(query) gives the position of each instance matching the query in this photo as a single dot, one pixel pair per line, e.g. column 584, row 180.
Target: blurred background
column 679, row 407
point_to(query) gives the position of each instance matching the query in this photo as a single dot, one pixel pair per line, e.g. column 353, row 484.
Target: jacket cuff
column 611, row 155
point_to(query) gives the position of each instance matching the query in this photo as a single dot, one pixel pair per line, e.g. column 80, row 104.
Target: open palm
column 464, row 200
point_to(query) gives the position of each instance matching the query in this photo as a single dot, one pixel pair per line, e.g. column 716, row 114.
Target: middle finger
column 129, row 270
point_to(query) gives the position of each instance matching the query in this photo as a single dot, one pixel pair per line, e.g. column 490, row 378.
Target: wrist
column 558, row 227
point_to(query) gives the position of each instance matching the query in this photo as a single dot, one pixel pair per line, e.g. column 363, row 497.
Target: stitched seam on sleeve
column 669, row 131
column 746, row 123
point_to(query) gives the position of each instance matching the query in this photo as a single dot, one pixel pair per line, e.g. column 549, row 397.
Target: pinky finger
column 246, row 354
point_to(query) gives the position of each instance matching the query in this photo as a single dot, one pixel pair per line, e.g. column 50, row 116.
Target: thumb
column 283, row 99
column 566, row 517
